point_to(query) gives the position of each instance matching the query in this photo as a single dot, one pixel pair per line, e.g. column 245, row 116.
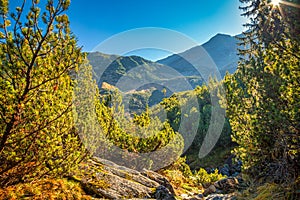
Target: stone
column 159, row 179
column 225, row 170
column 104, row 179
column 227, row 184
column 184, row 196
column 211, row 189
column 163, row 193
column 221, row 197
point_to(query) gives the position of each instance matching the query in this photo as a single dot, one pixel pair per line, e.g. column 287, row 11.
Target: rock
column 235, row 174
column 227, row 184
column 211, row 189
column 104, row 179
column 221, row 197
column 184, row 196
column 159, row 179
column 196, row 198
column 225, row 170
column 163, row 193
column 191, row 197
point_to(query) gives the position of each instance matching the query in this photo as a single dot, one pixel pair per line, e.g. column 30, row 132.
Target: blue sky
column 93, row 21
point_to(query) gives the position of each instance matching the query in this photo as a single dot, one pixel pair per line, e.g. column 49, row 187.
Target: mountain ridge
column 221, row 48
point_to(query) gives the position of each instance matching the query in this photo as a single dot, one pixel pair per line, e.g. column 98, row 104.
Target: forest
column 57, row 124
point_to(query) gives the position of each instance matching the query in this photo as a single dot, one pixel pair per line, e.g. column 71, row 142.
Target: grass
column 45, row 189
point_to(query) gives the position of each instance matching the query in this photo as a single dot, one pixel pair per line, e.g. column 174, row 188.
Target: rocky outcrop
column 104, row 179
column 223, row 189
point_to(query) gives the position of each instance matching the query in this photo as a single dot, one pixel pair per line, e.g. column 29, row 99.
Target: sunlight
column 289, row 3
column 276, row 2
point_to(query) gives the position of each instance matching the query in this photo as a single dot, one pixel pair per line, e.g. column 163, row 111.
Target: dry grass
column 45, row 189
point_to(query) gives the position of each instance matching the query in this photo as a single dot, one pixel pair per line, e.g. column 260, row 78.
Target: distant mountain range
column 221, row 48
column 113, row 68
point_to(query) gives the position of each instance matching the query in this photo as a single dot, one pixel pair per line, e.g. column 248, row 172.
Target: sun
column 276, row 2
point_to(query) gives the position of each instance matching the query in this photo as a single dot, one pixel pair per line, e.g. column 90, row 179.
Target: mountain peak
column 222, row 35
column 220, row 39
column 222, row 48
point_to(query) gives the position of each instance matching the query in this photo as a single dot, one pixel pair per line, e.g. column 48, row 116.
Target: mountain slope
column 221, row 48
column 128, row 71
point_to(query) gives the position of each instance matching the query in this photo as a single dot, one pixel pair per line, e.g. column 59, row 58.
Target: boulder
column 163, row 193
column 104, row 179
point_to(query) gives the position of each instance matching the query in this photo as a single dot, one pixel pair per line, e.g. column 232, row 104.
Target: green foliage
column 140, row 135
column 85, row 98
column 184, row 181
column 180, row 164
column 267, row 191
column 214, row 159
column 263, row 96
column 3, row 7
column 176, row 102
column 138, row 101
column 181, row 183
column 202, row 177
column 37, row 135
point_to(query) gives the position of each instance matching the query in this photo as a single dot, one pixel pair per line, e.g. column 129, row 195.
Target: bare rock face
column 104, row 179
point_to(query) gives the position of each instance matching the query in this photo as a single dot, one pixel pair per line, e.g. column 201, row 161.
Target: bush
column 37, row 136
column 202, row 177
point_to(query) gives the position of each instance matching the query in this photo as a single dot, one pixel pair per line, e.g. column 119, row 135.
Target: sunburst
column 276, row 2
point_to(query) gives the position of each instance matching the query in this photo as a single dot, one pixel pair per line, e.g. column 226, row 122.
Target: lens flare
column 276, row 2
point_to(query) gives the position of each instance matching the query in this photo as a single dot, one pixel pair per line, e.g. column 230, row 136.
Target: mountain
column 142, row 82
column 174, row 73
column 136, row 73
column 221, row 48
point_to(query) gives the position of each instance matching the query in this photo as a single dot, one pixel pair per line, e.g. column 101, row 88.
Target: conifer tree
column 38, row 53
column 263, row 95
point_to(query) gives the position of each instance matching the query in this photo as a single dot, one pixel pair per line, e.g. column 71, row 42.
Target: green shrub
column 203, row 177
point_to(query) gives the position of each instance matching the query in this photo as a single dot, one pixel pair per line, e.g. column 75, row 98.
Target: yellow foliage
column 181, row 183
column 45, row 189
column 203, row 177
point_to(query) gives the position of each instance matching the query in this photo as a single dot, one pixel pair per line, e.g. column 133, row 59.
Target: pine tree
column 38, row 54
column 141, row 142
column 263, row 95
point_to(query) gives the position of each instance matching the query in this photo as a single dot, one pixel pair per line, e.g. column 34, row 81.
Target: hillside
column 221, row 48
column 135, row 69
column 111, row 68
